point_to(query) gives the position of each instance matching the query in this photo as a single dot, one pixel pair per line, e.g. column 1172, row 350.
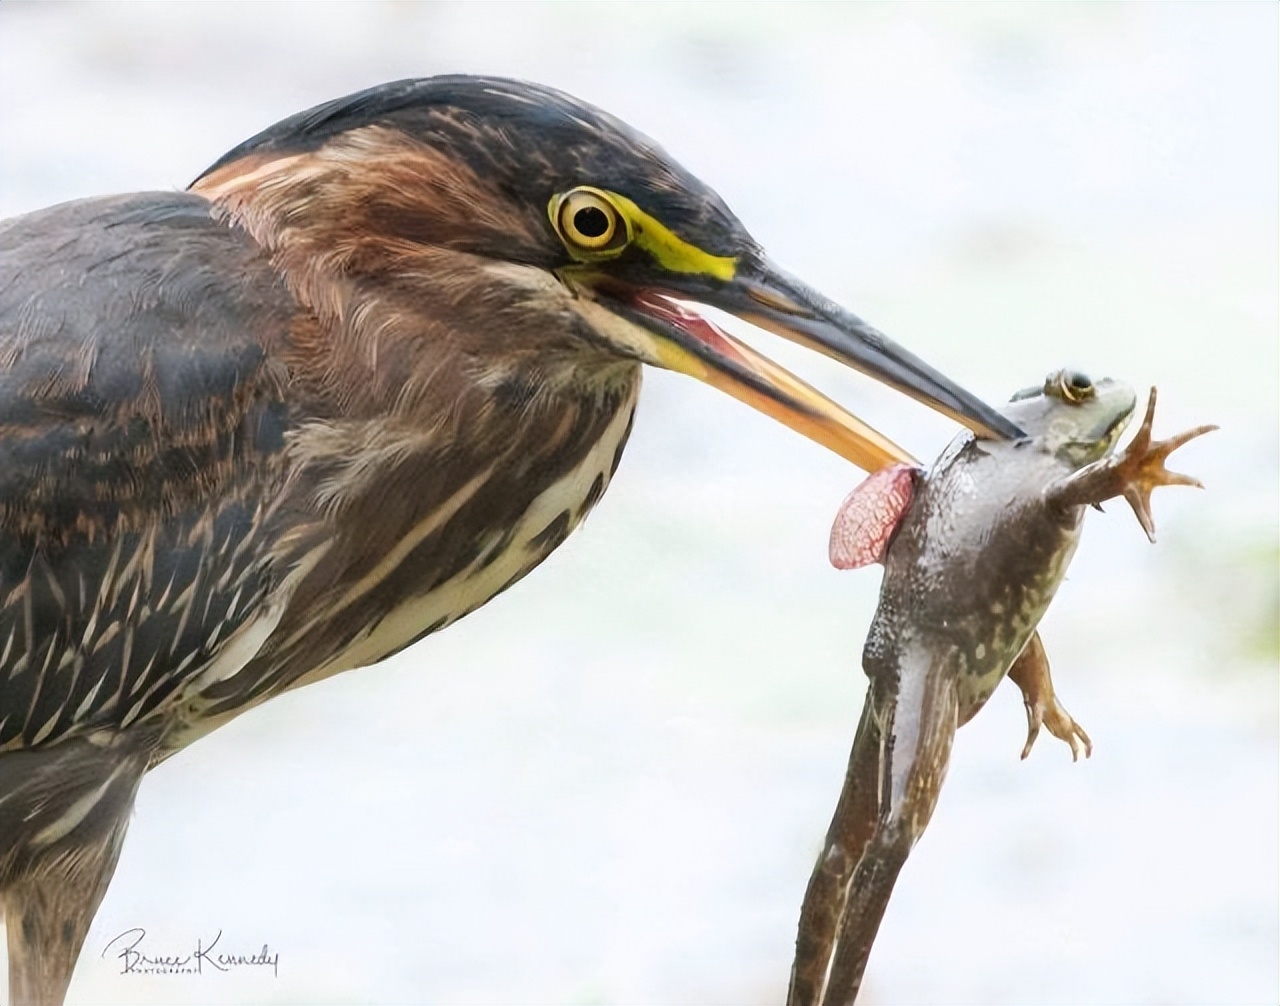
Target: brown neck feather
column 375, row 235
column 422, row 363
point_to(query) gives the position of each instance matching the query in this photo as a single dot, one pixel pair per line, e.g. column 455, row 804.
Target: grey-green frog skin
column 974, row 550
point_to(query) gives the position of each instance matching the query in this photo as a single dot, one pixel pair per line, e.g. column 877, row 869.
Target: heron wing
column 142, row 413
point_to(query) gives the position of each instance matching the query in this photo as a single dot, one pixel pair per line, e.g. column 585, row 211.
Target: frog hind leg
column 852, row 828
column 1030, row 672
column 915, row 726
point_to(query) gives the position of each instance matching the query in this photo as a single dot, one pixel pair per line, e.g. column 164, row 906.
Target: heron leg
column 48, row 919
column 63, row 815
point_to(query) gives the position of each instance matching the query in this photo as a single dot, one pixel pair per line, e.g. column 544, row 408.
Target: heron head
column 525, row 177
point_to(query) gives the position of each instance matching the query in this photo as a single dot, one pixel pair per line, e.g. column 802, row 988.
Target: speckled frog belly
column 973, row 566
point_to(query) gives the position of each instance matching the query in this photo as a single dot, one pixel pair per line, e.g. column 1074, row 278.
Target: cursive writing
column 135, row 960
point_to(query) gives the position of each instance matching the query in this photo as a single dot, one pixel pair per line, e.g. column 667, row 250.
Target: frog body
column 981, row 549
column 974, row 549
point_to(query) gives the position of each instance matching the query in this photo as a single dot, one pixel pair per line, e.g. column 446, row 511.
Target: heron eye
column 588, row 221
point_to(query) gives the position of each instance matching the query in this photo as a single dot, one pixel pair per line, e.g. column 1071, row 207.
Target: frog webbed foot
column 1060, row 723
column 1030, row 672
column 1141, row 466
column 1133, row 473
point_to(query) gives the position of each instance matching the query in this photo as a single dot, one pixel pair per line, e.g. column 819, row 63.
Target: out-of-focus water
column 609, row 784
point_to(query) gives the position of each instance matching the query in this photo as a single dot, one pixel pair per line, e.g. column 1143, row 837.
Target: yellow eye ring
column 589, row 222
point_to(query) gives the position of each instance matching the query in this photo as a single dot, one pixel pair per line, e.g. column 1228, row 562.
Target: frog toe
column 1033, row 731
column 1067, row 730
column 1059, row 722
column 1142, row 467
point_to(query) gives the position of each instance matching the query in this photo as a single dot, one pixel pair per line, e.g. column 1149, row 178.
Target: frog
column 973, row 548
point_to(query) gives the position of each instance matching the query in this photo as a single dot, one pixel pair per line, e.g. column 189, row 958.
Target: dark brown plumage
column 362, row 377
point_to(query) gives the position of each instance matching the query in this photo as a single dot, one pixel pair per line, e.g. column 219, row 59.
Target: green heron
column 367, row 372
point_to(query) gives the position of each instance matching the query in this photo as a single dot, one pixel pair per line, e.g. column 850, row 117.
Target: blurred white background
column 609, row 785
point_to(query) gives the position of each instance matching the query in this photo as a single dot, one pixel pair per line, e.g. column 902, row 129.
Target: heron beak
column 765, row 296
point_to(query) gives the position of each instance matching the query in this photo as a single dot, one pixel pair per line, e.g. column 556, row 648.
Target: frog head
column 1072, row 417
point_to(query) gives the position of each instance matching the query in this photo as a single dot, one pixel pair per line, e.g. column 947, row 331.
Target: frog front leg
column 1030, row 672
column 1133, row 473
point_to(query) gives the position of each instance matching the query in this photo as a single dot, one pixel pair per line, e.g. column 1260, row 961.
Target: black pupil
column 1080, row 382
column 591, row 221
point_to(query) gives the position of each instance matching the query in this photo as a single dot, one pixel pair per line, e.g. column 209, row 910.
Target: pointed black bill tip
column 769, row 297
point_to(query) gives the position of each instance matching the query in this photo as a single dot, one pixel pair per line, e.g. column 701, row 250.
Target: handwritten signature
column 127, row 949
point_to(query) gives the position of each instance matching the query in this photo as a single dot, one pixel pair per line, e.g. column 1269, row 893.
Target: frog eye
column 1072, row 386
column 589, row 223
